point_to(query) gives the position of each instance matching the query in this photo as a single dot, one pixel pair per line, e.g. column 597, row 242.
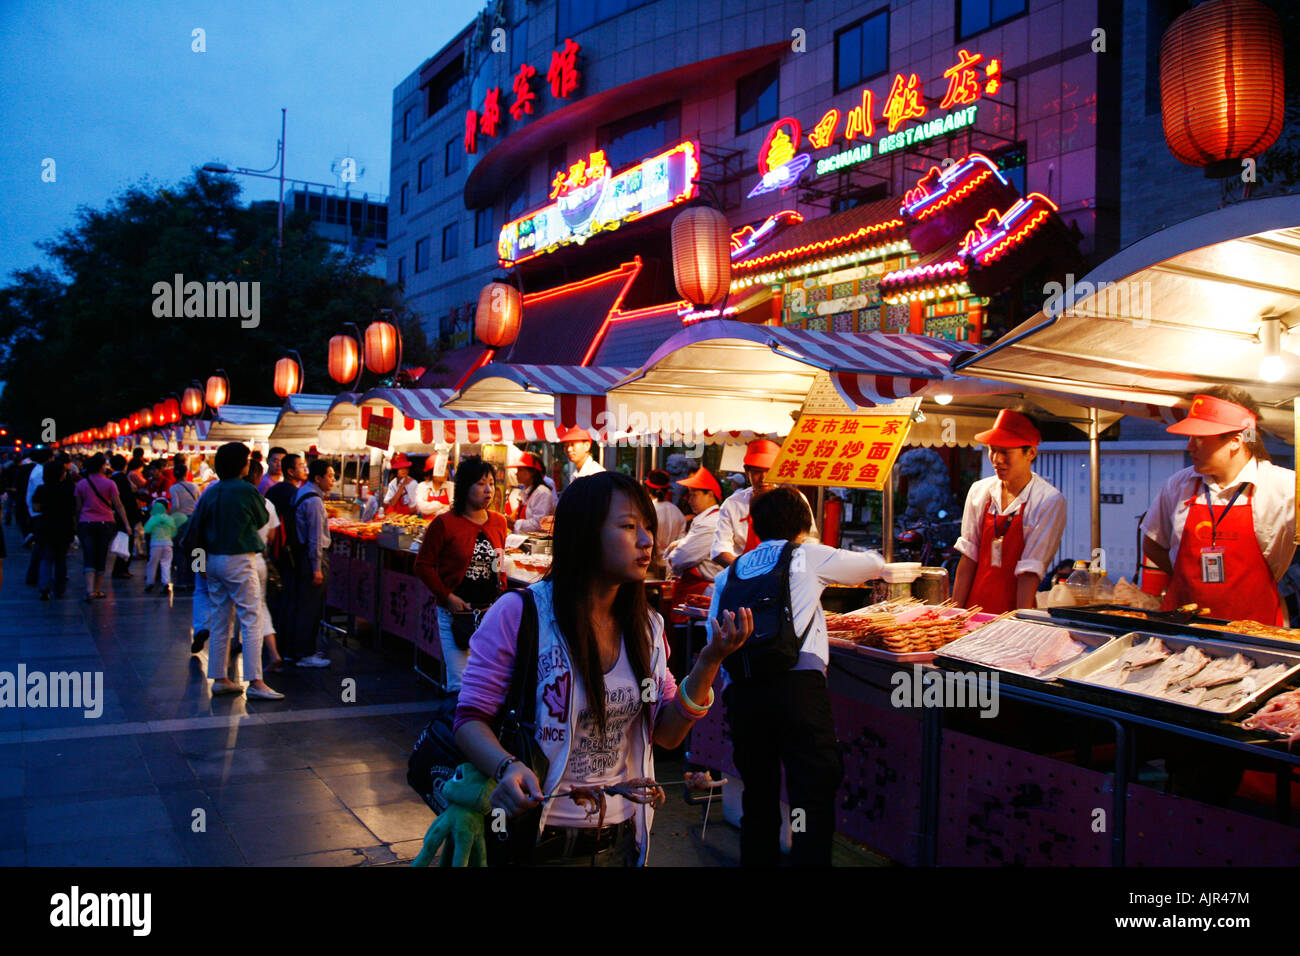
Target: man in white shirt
column 672, row 523
column 399, row 498
column 577, row 445
column 735, row 533
column 1224, row 529
column 1012, row 523
column 783, row 719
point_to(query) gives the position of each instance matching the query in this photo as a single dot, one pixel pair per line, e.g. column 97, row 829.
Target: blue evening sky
column 112, row 92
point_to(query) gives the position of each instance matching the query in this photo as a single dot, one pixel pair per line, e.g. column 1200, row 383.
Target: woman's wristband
column 689, row 705
column 503, row 766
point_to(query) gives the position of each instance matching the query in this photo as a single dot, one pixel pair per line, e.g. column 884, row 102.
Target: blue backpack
column 774, row 646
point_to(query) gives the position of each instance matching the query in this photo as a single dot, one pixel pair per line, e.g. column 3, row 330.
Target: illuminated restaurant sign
column 968, row 79
column 589, row 199
column 563, row 77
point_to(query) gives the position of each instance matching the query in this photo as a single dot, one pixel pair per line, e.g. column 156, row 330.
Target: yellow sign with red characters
column 841, row 451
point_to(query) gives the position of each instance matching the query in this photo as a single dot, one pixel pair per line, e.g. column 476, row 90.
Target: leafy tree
column 87, row 347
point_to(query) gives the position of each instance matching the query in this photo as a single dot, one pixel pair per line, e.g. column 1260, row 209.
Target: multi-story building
column 357, row 224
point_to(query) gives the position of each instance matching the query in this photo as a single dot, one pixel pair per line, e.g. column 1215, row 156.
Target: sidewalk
column 167, row 775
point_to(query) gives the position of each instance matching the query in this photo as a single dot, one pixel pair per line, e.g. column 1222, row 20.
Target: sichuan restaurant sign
column 842, row 451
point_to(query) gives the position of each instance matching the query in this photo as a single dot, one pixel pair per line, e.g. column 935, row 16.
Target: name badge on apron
column 1212, row 570
column 995, row 553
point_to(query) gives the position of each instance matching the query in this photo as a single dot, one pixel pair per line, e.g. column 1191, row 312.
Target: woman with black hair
column 604, row 693
column 460, row 559
column 58, row 509
column 535, row 499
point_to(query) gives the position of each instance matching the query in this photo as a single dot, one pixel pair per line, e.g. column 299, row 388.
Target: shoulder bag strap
column 522, row 696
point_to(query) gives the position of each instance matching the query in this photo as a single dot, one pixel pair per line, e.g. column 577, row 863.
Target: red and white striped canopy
column 420, row 417
column 573, row 394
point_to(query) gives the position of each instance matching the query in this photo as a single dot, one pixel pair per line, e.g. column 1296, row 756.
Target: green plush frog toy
column 461, row 824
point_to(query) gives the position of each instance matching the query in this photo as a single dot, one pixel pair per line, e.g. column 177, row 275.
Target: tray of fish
column 1039, row 651
column 1209, row 677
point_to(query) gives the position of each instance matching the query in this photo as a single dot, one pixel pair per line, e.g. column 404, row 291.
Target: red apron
column 439, row 498
column 1248, row 591
column 683, row 587
column 751, row 539
column 399, row 506
column 994, row 589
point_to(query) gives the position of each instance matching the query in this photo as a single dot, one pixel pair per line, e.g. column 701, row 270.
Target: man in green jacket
column 225, row 525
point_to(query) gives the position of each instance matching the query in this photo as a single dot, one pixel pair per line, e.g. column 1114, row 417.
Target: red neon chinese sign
column 563, row 77
column 580, row 174
column 904, row 101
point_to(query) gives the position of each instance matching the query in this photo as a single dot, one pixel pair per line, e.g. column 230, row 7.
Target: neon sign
column 937, row 189
column 586, row 205
column 744, row 239
column 996, row 233
column 777, row 160
column 563, row 77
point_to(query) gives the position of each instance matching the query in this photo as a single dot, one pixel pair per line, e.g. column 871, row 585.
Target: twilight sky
column 112, row 92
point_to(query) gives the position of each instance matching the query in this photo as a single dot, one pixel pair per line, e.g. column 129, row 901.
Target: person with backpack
column 184, row 496
column 778, row 705
column 603, row 693
column 281, row 549
column 311, row 556
column 126, row 491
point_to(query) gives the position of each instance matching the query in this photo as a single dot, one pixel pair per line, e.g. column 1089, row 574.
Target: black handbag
column 463, row 626
column 436, row 755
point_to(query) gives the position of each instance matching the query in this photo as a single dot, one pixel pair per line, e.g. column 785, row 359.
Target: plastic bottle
column 1080, row 583
column 1103, row 591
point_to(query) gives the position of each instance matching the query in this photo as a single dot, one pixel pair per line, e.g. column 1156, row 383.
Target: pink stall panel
column 1165, row 830
column 999, row 806
column 399, row 604
column 710, row 741
column 337, row 588
column 879, row 802
column 425, row 635
column 363, row 590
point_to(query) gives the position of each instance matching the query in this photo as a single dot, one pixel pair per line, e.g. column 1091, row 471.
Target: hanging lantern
column 146, row 417
column 383, row 346
column 192, row 400
column 171, row 410
column 344, row 362
column 124, row 426
column 1221, row 84
column 159, row 414
column 702, row 256
column 500, row 308
column 135, row 421
column 218, row 391
column 288, row 377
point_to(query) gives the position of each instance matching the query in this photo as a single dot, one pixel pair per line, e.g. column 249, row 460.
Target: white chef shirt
column 692, row 551
column 813, row 567
column 671, row 524
column 1273, row 503
column 424, row 495
column 589, row 467
column 390, row 495
column 733, row 529
column 537, row 504
column 1043, row 515
column 272, row 522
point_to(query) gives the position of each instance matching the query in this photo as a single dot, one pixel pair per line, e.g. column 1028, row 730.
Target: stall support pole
column 1094, row 479
column 821, row 509
column 887, row 519
column 640, row 463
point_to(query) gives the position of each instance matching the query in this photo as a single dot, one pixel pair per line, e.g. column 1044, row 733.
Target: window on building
column 976, row 16
column 633, row 138
column 421, row 254
column 452, row 154
column 556, row 160
column 444, row 86
column 406, row 189
column 518, row 45
column 450, row 241
column 408, row 123
column 862, row 51
column 401, row 269
column 860, row 197
column 1012, row 163
column 1160, row 14
column 424, row 174
column 516, row 197
column 483, row 226
column 758, row 98
column 574, row 16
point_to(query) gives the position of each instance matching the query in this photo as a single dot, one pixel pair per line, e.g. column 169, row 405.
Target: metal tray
column 952, row 656
column 1093, row 618
column 1079, row 672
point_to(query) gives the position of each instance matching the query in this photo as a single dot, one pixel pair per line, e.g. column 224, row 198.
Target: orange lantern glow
column 159, row 414
column 701, row 240
column 171, row 410
column 383, row 344
column 135, row 421
column 343, row 359
column 500, row 309
column 124, row 426
column 218, row 391
column 146, row 417
column 288, row 377
column 192, row 400
column 1221, row 84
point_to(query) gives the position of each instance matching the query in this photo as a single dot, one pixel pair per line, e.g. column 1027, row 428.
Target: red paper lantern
column 135, row 421
column 1221, row 84
column 192, row 401
column 124, row 426
column 383, row 342
column 288, row 377
column 343, row 359
column 500, row 309
column 146, row 417
column 701, row 240
column 172, row 410
column 218, row 391
column 159, row 414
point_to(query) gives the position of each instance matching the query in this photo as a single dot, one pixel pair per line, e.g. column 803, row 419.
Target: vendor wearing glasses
column 1012, row 524
column 1224, row 529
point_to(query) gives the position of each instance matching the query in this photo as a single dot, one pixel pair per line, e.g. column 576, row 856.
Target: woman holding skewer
column 603, row 689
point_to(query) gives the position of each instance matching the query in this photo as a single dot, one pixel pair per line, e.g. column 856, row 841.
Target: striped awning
column 420, row 418
column 571, row 394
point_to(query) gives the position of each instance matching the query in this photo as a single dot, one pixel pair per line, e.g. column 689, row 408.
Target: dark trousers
column 34, row 563
column 281, row 602
column 309, row 607
column 54, row 566
column 785, row 721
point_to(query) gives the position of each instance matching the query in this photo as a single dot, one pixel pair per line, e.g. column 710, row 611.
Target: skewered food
column 906, row 632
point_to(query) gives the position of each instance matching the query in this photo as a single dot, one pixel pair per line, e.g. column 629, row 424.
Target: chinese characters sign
column 842, row 451
column 563, row 76
column 379, row 432
column 588, row 199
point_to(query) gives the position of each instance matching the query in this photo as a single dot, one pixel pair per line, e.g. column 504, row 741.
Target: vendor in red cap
column 434, row 494
column 672, row 523
column 689, row 555
column 1012, row 524
column 400, row 497
column 735, row 533
column 577, row 445
column 1224, row 529
column 534, row 499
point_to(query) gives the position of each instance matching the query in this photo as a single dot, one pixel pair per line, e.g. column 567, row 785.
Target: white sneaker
column 316, row 660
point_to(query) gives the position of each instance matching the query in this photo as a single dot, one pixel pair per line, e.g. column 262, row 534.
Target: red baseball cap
column 761, row 453
column 657, row 480
column 1010, row 430
column 703, row 478
column 577, row 434
column 400, row 461
column 1213, row 416
column 529, row 460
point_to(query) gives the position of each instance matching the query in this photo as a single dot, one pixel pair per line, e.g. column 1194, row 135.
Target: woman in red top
column 460, row 558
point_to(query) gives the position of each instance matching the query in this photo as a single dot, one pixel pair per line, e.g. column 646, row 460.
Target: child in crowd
column 161, row 529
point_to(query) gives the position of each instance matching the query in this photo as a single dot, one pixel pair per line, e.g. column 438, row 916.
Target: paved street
column 167, row 775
